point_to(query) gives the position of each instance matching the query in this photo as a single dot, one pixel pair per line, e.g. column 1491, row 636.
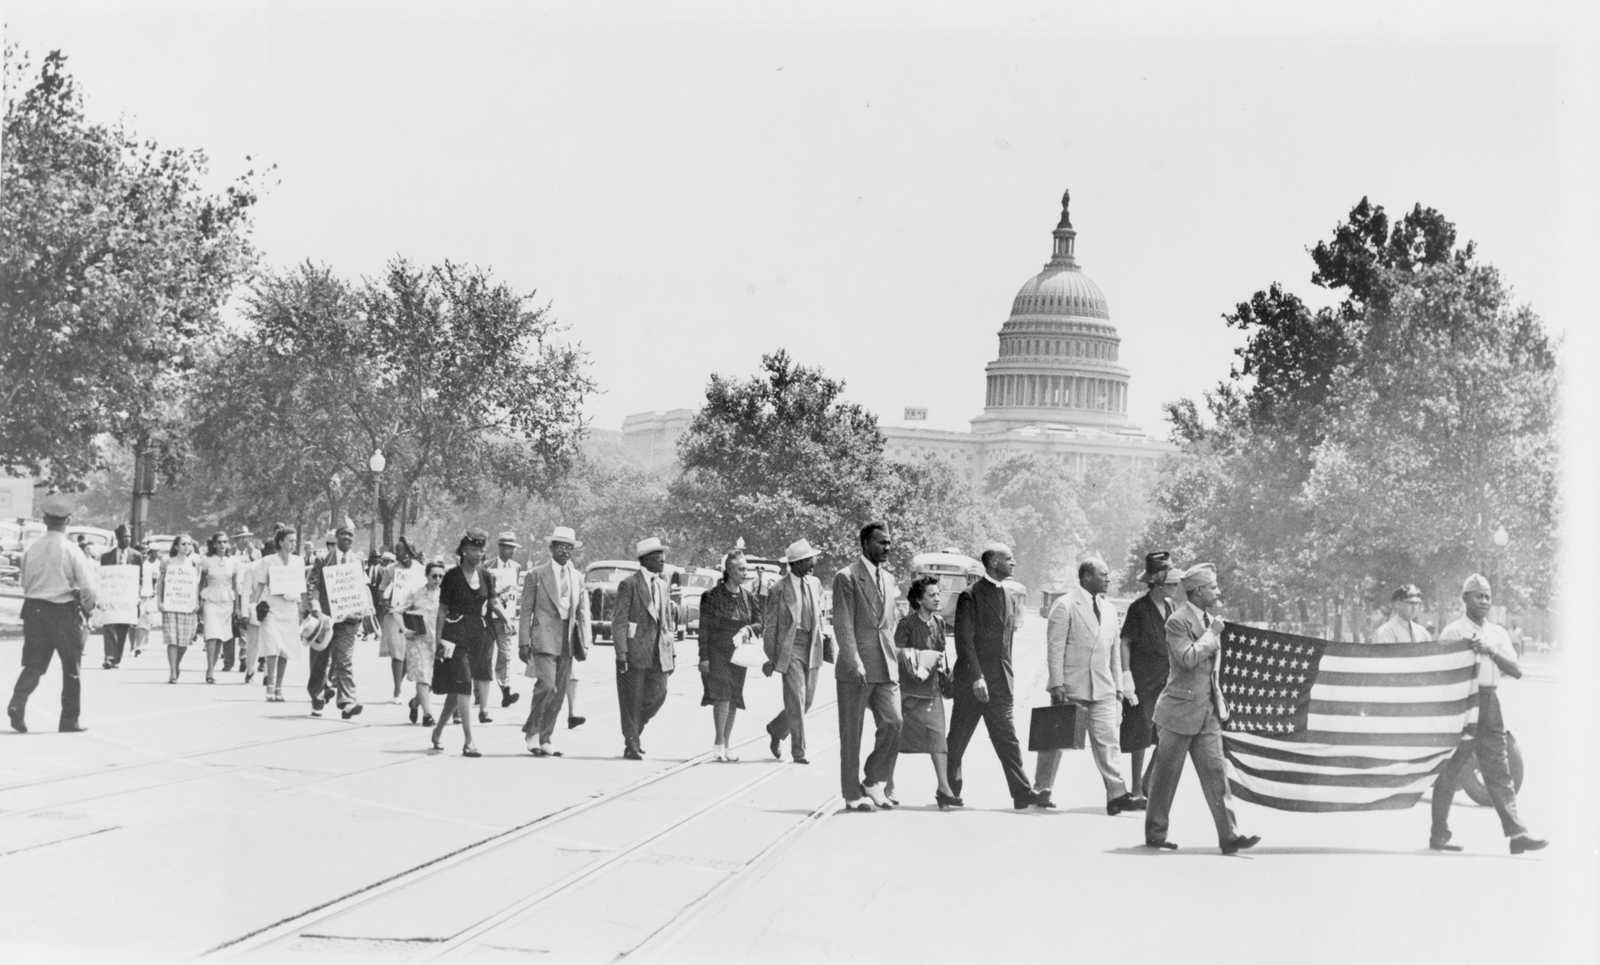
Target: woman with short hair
column 217, row 600
column 180, row 620
column 398, row 581
column 278, row 599
column 725, row 610
column 419, row 614
column 922, row 731
column 464, row 663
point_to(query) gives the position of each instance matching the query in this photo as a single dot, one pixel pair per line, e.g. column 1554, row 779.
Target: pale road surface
column 193, row 816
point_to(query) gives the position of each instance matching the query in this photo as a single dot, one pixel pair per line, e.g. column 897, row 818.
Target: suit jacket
column 1144, row 630
column 1083, row 652
column 863, row 623
column 780, row 625
column 130, row 557
column 985, row 624
column 1192, row 687
column 654, row 623
column 539, row 621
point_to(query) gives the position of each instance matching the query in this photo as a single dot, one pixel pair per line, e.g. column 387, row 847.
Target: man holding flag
column 1189, row 717
column 1495, row 657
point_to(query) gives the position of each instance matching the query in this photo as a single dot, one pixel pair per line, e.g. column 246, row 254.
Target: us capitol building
column 1056, row 388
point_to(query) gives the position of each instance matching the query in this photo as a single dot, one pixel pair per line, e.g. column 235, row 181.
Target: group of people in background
column 1150, row 679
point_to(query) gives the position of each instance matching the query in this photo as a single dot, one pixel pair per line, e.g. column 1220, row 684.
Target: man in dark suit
column 1189, row 716
column 867, row 674
column 333, row 667
column 986, row 621
column 115, row 635
column 643, row 631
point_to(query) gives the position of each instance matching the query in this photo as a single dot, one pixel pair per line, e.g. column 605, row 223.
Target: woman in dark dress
column 1144, row 653
column 466, row 606
column 921, row 700
column 725, row 609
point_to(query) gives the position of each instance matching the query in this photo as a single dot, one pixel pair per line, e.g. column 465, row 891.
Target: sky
column 689, row 185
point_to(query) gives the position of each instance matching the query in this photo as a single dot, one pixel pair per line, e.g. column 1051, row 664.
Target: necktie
column 1096, row 601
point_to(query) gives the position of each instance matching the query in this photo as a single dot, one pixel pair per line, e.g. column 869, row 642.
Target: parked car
column 955, row 572
column 15, row 536
column 160, row 542
column 98, row 540
column 601, row 579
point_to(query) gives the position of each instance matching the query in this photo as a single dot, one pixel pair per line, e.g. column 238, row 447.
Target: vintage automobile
column 601, row 579
column 696, row 580
column 954, row 571
column 98, row 540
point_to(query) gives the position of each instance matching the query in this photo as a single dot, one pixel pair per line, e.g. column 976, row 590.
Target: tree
column 114, row 262
column 450, row 374
column 1036, row 504
column 776, row 457
column 1377, row 442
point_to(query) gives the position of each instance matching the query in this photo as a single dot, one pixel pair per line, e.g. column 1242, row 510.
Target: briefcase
column 1058, row 727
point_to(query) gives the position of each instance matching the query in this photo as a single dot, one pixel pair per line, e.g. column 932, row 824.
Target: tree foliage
column 1379, row 441
column 115, row 259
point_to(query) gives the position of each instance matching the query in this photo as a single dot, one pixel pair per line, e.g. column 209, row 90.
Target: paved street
column 194, row 818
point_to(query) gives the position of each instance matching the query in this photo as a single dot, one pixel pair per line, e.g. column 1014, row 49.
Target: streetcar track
column 293, row 927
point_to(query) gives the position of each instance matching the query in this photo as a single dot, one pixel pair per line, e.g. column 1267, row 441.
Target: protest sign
column 181, row 593
column 286, row 579
column 118, row 599
column 348, row 594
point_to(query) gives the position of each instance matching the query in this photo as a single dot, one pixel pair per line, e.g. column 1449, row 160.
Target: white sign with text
column 348, row 594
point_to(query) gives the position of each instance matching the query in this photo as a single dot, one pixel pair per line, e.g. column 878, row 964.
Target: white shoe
column 876, row 795
column 859, row 804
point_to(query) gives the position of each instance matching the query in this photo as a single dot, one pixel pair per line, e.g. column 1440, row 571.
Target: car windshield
column 701, row 581
column 610, row 575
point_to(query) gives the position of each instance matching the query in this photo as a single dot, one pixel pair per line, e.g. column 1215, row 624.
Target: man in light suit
column 986, row 621
column 1084, row 661
column 643, row 628
column 553, row 625
column 1189, row 716
column 791, row 632
column 867, row 674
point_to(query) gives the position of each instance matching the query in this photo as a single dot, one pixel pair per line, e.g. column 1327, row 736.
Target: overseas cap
column 1198, row 575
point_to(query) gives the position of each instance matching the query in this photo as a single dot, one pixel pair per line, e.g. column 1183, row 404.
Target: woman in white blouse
column 279, row 585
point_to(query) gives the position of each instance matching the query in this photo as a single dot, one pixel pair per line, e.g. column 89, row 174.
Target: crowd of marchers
column 455, row 631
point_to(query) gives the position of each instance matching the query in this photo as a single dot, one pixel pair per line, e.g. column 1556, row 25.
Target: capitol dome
column 1058, row 350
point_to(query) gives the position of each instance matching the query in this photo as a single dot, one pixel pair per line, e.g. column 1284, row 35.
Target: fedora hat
column 1156, row 567
column 800, row 549
column 508, row 538
column 316, row 630
column 564, row 534
column 647, row 546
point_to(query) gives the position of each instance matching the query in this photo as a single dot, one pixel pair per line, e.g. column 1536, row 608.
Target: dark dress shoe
column 575, row 721
column 79, row 728
column 1042, row 800
column 1117, row 805
column 1023, row 803
column 105, row 665
column 632, row 754
column 509, row 697
column 1527, row 842
column 1137, row 802
column 484, row 718
column 538, row 752
column 17, row 723
column 947, row 800
column 470, row 752
column 1240, row 843
column 1442, row 843
column 427, row 720
column 801, row 760
column 776, row 748
column 1161, row 845
column 415, row 709
column 350, row 711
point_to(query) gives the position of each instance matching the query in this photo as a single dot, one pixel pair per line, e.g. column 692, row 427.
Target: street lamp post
column 1502, row 539
column 377, row 464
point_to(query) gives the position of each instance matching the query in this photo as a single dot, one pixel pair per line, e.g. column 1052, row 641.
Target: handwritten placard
column 286, row 579
column 181, row 591
column 118, row 599
column 348, row 594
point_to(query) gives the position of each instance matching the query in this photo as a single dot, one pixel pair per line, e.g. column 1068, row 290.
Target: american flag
column 1316, row 725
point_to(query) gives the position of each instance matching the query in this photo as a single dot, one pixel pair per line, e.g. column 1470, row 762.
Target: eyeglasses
column 436, row 578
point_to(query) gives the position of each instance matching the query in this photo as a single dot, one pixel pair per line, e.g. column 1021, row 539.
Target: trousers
column 550, row 676
column 856, row 697
column 1489, row 746
column 1205, row 749
column 1105, row 724
column 799, row 689
column 505, row 646
column 640, row 693
column 50, row 629
column 334, row 666
column 115, row 637
column 996, row 714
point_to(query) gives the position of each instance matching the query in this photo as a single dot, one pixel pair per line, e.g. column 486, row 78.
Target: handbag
column 414, row 623
column 747, row 651
column 1057, row 727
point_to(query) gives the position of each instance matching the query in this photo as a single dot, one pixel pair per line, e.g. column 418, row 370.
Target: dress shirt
column 563, row 589
column 1490, row 633
column 808, row 607
column 1397, row 629
column 53, row 569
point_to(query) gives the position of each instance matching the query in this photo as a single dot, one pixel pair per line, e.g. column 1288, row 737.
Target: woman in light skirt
column 400, row 579
column 217, row 600
column 277, row 605
column 180, row 619
column 422, row 602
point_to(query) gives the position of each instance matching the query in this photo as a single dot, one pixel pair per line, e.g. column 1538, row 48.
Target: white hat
column 648, row 546
column 1198, row 575
column 57, row 506
column 800, row 549
column 563, row 534
column 508, row 538
column 316, row 630
column 1476, row 583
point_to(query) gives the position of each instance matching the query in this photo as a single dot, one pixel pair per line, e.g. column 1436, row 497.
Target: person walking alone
column 58, row 593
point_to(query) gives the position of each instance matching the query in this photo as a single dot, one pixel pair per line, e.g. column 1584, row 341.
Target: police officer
column 58, row 589
column 1402, row 625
